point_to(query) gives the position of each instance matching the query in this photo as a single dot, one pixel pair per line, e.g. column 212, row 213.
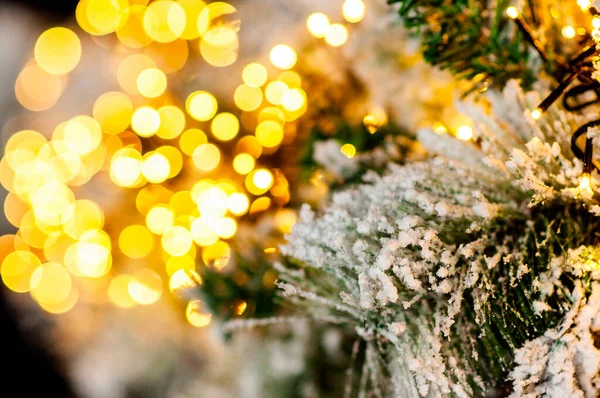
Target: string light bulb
column 464, row 133
column 536, row 114
column 512, row 12
column 568, row 32
column 585, row 183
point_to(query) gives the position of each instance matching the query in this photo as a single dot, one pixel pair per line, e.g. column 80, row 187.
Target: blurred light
column 184, row 279
column 130, row 27
column 375, row 120
column 50, row 283
column 155, row 167
column 196, row 315
column 145, row 286
column 290, row 78
column 512, row 12
column 159, row 219
column 269, row 133
column 169, row 57
column 585, row 184
column 225, row 126
column 354, row 10
column 172, row 122
column 17, row 268
column 175, row 264
column 129, row 70
column 260, row 204
column 336, row 35
column 145, row 121
column 216, row 255
column 285, row 220
column 125, row 167
column 219, row 46
column 136, row 241
column 193, row 9
column 177, row 241
column 536, row 113
column 113, row 111
column 248, row 98
column 584, row 4
column 348, row 150
column 262, row 179
column 118, row 292
column 254, row 74
column 243, row 163
column 206, row 157
column 201, row 105
column 464, row 133
column 238, row 203
column 174, row 157
column 275, row 91
column 249, row 144
column 36, row 89
column 226, row 227
column 152, row 82
column 293, row 99
column 58, row 51
column 101, row 15
column 202, row 232
column 317, row 24
column 190, row 140
column 283, row 56
column 164, row 21
column 439, row 128
column 568, row 32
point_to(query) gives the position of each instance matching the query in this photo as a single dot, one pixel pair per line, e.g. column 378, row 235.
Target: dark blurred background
column 29, row 368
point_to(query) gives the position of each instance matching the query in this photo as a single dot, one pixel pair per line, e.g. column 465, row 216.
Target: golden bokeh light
column 155, row 167
column 197, row 315
column 201, row 105
column 17, row 268
column 225, row 227
column 207, row 157
column 130, row 68
column 36, row 89
column 126, row 167
column 191, row 139
column 184, row 279
column 174, row 157
column 254, row 74
column 348, row 150
column 216, row 255
column 203, row 233
column 193, row 9
column 293, row 99
column 145, row 286
column 145, row 121
column 130, row 27
column 152, row 83
column 113, row 111
column 118, row 292
column 219, row 46
column 269, row 133
column 283, row 56
column 248, row 98
column 336, row 35
column 159, row 219
column 172, row 122
column 175, row 264
column 176, row 241
column 275, row 91
column 225, row 126
column 50, row 283
column 58, row 51
column 243, row 163
column 136, row 241
column 464, row 133
column 164, row 21
column 238, row 203
column 353, row 10
column 317, row 24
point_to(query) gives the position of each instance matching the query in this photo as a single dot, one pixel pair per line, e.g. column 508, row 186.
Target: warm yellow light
column 164, row 21
column 336, row 35
column 262, row 179
column 172, row 122
column 193, row 9
column 145, row 286
column 155, row 167
column 136, row 241
column 512, row 12
column 36, row 89
column 219, row 46
column 126, row 168
column 283, row 56
column 145, row 121
column 243, row 163
column 184, row 279
column 82, row 135
column 203, row 233
column 17, row 268
column 113, row 110
column 118, row 292
column 201, row 105
column 348, row 150
column 254, row 74
column 159, row 219
column 317, row 24
column 354, row 10
column 177, row 241
column 152, row 82
column 191, row 139
column 174, row 264
column 196, row 315
column 50, row 283
column 536, row 113
column 293, row 99
column 130, row 68
column 248, row 98
column 238, row 203
column 206, row 157
column 130, row 27
column 464, row 133
column 585, row 184
column 568, row 32
column 439, row 128
column 275, row 91
column 269, row 133
column 225, row 227
column 596, row 22
column 100, row 17
column 584, row 4
column 216, row 255
column 225, row 126
column 58, row 51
